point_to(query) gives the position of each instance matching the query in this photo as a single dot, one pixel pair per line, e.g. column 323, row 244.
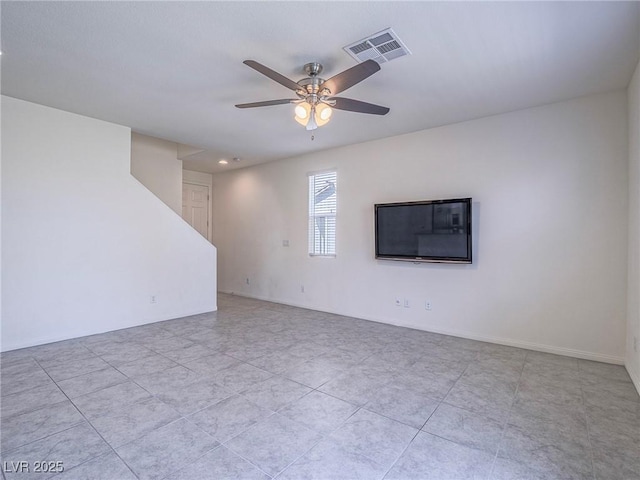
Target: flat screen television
column 425, row 231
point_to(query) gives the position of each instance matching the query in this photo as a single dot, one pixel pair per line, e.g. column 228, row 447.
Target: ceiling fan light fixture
column 312, row 124
column 313, row 116
column 302, row 111
column 323, row 114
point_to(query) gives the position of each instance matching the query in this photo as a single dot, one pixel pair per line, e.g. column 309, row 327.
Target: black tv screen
column 425, row 231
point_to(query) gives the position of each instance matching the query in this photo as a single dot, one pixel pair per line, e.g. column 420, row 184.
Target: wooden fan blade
column 357, row 106
column 267, row 103
column 340, row 82
column 272, row 74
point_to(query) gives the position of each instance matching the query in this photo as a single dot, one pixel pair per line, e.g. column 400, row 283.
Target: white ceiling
column 174, row 69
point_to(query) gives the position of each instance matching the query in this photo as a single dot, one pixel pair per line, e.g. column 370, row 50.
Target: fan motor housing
column 311, row 85
column 313, row 69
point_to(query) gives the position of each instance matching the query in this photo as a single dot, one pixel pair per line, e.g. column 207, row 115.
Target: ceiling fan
column 316, row 95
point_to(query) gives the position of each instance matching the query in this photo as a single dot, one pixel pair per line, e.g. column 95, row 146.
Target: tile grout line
column 586, row 419
column 153, row 395
column 288, row 465
column 94, row 429
column 172, row 472
column 401, row 454
column 239, row 393
column 140, row 401
column 506, row 418
column 440, row 402
column 181, row 417
column 322, row 435
column 275, row 412
column 223, row 445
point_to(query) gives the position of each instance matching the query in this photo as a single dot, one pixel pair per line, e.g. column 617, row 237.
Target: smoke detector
column 382, row 47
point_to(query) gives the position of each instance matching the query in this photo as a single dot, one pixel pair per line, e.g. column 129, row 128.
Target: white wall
column 199, row 178
column 633, row 296
column 1, row 268
column 155, row 163
column 549, row 186
column 84, row 244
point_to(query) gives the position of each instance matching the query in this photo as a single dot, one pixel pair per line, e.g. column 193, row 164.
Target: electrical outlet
column 247, row 281
column 301, row 288
column 153, row 299
column 398, row 302
column 285, row 243
column 406, row 303
column 428, row 305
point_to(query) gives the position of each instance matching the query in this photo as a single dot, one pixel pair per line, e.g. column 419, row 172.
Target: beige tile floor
column 260, row 390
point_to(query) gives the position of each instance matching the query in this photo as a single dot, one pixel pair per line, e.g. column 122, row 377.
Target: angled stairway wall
column 155, row 163
column 84, row 245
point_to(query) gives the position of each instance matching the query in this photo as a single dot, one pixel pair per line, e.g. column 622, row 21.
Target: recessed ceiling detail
column 382, row 47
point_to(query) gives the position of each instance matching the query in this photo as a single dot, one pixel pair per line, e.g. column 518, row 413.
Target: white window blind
column 322, row 213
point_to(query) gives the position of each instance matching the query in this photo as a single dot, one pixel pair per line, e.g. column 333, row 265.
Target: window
column 322, row 214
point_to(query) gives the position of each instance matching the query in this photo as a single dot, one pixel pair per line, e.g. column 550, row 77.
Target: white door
column 195, row 207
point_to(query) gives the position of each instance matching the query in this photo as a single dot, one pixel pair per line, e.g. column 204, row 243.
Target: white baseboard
column 77, row 334
column 597, row 357
column 635, row 378
column 568, row 352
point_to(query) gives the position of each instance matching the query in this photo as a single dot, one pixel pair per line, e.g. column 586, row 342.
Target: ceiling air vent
column 382, row 47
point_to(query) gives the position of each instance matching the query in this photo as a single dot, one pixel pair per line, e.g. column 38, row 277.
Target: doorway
column 195, row 207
